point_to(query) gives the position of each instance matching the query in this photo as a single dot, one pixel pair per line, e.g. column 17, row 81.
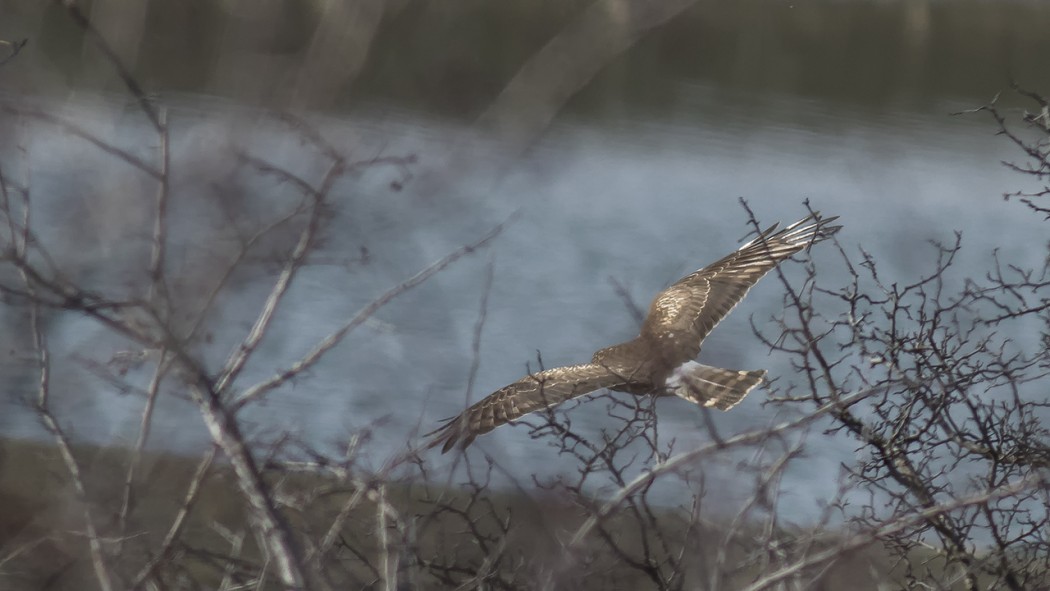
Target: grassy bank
column 434, row 536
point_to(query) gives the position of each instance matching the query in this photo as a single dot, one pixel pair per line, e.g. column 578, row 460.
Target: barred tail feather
column 712, row 386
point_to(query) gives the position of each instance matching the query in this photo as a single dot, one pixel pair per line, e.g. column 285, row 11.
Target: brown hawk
column 659, row 361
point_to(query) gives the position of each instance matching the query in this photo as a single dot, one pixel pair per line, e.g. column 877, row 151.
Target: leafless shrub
column 166, row 322
column 954, row 437
column 1033, row 140
column 934, row 380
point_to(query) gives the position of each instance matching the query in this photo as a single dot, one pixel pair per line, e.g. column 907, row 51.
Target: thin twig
column 387, row 562
column 114, row 60
column 158, row 293
column 15, row 49
column 98, row 558
column 240, row 355
column 898, row 525
column 145, row 425
column 367, row 312
column 177, row 524
column 479, row 326
column 80, row 132
column 675, row 462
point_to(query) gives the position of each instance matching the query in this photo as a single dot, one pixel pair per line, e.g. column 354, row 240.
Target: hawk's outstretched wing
column 660, row 359
column 682, row 315
column 535, row 391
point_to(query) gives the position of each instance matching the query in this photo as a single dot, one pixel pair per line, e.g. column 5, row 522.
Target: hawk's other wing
column 682, row 315
column 535, row 391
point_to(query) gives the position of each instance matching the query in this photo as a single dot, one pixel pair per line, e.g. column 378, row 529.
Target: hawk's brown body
column 660, row 360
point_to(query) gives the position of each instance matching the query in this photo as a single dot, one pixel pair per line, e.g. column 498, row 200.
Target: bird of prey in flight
column 661, row 360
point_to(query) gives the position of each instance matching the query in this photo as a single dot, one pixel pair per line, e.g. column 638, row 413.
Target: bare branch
column 367, row 312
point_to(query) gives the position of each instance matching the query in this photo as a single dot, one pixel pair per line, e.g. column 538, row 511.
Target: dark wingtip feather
column 448, row 435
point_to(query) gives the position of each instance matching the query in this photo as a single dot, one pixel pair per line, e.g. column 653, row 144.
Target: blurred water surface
column 632, row 188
